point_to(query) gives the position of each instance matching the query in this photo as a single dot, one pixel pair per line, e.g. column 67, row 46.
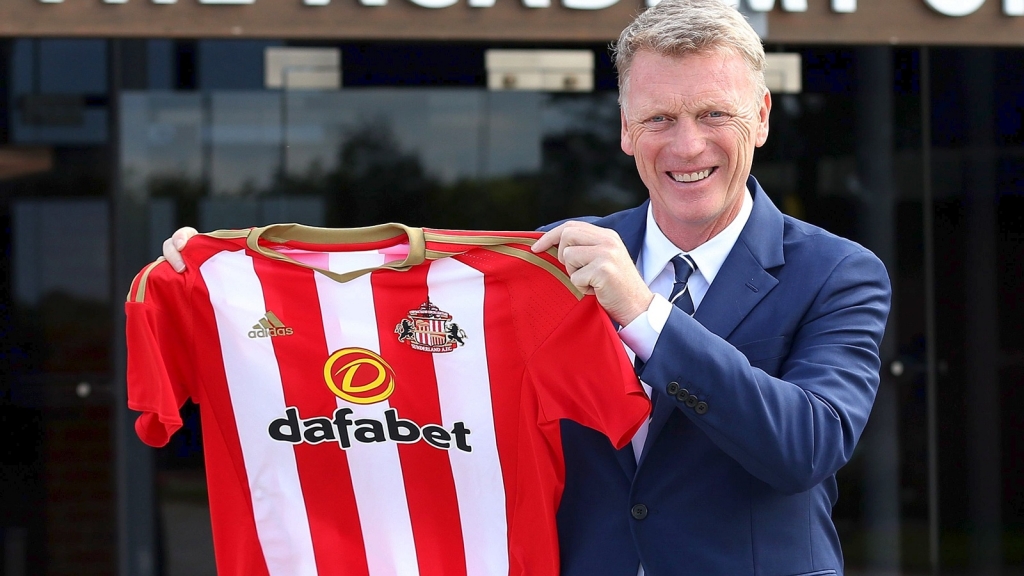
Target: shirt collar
column 709, row 256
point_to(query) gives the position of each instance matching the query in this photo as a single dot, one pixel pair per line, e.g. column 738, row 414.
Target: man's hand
column 598, row 263
column 175, row 244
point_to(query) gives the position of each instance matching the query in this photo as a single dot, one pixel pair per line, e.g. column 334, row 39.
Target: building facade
column 898, row 124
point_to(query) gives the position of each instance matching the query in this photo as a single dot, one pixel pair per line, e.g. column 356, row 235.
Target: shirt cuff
column 642, row 333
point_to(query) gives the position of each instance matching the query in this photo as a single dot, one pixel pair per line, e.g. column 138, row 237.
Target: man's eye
column 716, row 114
column 657, row 119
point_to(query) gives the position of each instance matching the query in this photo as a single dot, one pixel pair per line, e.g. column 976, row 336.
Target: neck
column 689, row 237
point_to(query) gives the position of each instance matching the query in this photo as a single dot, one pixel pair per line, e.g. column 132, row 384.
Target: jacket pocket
column 818, row 573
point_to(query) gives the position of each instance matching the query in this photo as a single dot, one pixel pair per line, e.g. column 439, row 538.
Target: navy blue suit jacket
column 780, row 363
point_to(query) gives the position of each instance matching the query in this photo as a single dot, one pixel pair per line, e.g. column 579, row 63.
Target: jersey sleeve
column 581, row 373
column 158, row 354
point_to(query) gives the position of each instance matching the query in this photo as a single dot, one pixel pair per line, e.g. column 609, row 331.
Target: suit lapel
column 631, row 225
column 743, row 280
column 741, row 284
column 627, row 459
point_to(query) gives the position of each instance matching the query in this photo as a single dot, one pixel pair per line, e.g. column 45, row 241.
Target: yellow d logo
column 359, row 376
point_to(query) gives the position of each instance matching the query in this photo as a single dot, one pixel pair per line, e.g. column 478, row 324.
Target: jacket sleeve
column 798, row 426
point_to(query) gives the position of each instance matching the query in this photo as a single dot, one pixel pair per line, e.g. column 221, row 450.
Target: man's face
column 692, row 124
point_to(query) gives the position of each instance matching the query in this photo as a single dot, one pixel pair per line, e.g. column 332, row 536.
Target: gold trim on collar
column 416, row 238
column 300, row 233
column 477, row 240
column 227, row 234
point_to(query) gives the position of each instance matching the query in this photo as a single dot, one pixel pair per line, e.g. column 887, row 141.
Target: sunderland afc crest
column 430, row 329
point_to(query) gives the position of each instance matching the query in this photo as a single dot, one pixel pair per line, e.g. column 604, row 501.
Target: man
column 761, row 394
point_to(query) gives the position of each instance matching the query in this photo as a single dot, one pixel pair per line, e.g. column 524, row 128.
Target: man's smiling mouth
column 691, row 176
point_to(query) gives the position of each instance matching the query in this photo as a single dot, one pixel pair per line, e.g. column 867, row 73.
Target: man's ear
column 624, row 141
column 762, row 121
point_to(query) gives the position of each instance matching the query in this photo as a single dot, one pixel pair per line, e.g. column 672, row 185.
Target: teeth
column 692, row 177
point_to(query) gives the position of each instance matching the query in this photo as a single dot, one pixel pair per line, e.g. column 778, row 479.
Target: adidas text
column 268, row 332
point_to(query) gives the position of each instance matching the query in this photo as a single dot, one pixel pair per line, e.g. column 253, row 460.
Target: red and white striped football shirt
column 377, row 401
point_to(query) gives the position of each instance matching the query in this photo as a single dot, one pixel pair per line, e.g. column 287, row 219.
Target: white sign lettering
column 588, row 4
column 955, row 7
column 434, row 3
column 946, row 7
column 769, row 5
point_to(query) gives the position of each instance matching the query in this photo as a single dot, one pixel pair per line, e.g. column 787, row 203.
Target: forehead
column 693, row 79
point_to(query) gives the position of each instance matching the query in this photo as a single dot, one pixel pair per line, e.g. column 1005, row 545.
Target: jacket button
column 682, row 395
column 639, row 511
column 701, row 408
column 673, row 388
column 691, row 401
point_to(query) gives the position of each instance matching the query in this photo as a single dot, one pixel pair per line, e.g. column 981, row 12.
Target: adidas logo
column 268, row 326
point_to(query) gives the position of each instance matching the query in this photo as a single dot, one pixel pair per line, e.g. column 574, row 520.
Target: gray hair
column 681, row 27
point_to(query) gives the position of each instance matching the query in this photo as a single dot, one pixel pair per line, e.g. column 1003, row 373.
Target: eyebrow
column 703, row 105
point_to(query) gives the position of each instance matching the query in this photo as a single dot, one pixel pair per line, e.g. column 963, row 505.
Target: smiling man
column 756, row 334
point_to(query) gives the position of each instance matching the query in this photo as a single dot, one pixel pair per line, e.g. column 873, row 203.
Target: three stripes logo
column 268, row 326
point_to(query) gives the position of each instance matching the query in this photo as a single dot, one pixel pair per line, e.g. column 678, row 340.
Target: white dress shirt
column 642, row 333
column 654, row 264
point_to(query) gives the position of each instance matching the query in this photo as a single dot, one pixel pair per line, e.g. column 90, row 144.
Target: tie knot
column 684, row 266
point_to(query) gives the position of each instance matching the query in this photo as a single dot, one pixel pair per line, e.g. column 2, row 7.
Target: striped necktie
column 684, row 266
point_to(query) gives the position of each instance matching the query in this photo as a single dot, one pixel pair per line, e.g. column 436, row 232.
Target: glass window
column 414, row 137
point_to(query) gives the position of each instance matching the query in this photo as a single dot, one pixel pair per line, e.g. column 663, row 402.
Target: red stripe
column 505, row 367
column 534, row 489
column 290, row 292
column 238, row 549
column 429, row 485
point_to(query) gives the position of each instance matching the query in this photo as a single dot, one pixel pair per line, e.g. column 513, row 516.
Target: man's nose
column 687, row 140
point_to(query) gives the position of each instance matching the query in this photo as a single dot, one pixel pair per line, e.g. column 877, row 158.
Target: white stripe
column 676, row 297
column 350, row 320
column 464, row 390
column 257, row 398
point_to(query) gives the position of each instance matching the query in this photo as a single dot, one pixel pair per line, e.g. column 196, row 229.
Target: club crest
column 430, row 329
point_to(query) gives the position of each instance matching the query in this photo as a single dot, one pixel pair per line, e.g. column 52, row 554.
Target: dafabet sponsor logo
column 362, row 378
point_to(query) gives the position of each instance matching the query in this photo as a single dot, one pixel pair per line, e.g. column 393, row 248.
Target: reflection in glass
column 438, row 157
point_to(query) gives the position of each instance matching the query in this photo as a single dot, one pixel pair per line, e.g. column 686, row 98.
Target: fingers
column 582, row 278
column 181, row 236
column 573, row 233
column 550, row 238
column 576, row 242
column 175, row 244
column 598, row 263
column 576, row 257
